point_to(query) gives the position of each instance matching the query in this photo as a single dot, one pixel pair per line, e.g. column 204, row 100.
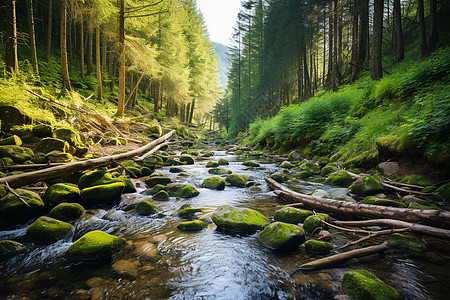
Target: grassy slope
column 404, row 115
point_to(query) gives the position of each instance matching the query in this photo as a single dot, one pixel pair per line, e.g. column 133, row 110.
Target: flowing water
column 207, row 264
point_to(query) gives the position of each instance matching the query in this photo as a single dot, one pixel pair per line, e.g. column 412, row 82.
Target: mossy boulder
column 323, row 161
column 186, row 211
column 238, row 220
column 313, row 222
column 363, row 285
column 414, row 179
column 67, row 211
column 223, row 162
column 212, row 164
column 196, row 225
column 161, row 196
column 153, row 161
column 291, row 215
column 339, row 178
column 61, row 192
column 366, row 186
column 181, row 190
column 383, row 202
column 97, row 177
column 327, row 170
column 444, row 191
column 10, row 248
column 145, row 171
column 255, row 188
column 11, row 140
column 154, row 190
column 46, row 230
column 129, row 186
column 25, row 132
column 415, row 205
column 279, row 177
column 286, row 165
column 17, row 153
column 155, row 130
column 251, row 164
column 310, row 167
column 214, row 183
column 188, row 160
column 318, row 247
column 207, row 154
column 11, row 116
column 145, row 208
column 14, row 210
column 282, row 236
column 95, row 245
column 47, row 145
column 175, row 170
column 42, row 130
column 406, row 241
column 219, row 171
column 59, row 157
column 238, row 180
column 6, row 161
column 302, row 175
column 181, row 131
column 107, row 194
column 69, row 135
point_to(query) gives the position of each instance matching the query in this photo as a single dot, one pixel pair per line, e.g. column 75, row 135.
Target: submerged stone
column 292, row 215
column 363, row 285
column 214, row 183
column 318, row 247
column 61, row 192
column 218, row 171
column 186, row 211
column 282, row 236
column 95, row 245
column 67, row 212
column 196, row 225
column 238, row 220
column 46, row 230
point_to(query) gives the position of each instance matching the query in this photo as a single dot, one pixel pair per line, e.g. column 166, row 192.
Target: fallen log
column 341, row 257
column 32, row 177
column 415, row 228
column 33, row 166
column 435, row 218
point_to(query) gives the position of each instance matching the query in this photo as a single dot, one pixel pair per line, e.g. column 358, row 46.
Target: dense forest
column 153, row 53
column 344, row 76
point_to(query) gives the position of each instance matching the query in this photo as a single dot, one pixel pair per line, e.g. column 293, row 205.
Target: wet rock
column 336, row 192
column 223, row 162
column 145, row 208
column 339, row 178
column 61, row 192
column 196, row 225
column 47, row 145
column 67, row 212
column 323, row 161
column 145, row 171
column 161, row 196
column 46, row 230
column 282, row 236
column 175, row 170
column 310, row 167
column 286, row 165
column 346, row 198
column 10, row 248
column 214, row 183
column 328, row 169
column 291, row 215
column 205, row 217
column 363, row 285
column 321, row 194
column 407, row 242
column 250, row 164
column 16, row 153
column 95, row 245
column 14, row 210
column 255, row 188
column 95, row 282
column 25, row 133
column 181, row 190
column 212, row 164
column 294, row 155
column 388, row 168
column 127, row 268
column 145, row 250
column 108, row 194
column 279, row 177
column 318, row 247
column 313, row 222
column 154, row 180
column 153, row 162
column 11, row 140
column 96, row 177
column 154, row 190
column 160, row 238
column 42, row 130
column 408, row 199
column 207, row 154
column 414, row 205
column 239, row 220
column 6, row 161
column 237, row 180
column 366, row 186
column 186, row 211
column 414, row 179
column 188, row 160
column 383, row 202
column 58, row 157
column 218, row 171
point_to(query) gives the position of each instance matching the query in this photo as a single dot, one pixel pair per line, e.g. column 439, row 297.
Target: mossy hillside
column 67, row 212
column 13, row 209
column 282, row 236
column 46, row 230
column 363, row 285
column 61, row 192
column 196, row 225
column 318, row 247
column 95, row 245
column 238, row 220
column 291, row 215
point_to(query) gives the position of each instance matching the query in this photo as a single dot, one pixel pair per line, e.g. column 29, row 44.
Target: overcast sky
column 220, row 17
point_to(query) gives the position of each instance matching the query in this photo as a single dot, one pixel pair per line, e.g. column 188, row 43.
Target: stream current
column 207, row 264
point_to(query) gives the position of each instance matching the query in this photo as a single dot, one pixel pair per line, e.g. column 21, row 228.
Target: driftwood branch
column 341, row 257
column 436, row 218
column 33, row 166
column 141, row 158
column 54, row 172
column 15, row 194
column 373, row 235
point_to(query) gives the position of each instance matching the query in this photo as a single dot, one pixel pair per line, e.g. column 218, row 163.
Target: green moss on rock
column 46, row 230
column 25, row 132
column 339, row 178
column 59, row 157
column 366, row 186
column 61, row 192
column 11, row 140
column 16, row 153
column 414, row 179
column 363, row 285
column 286, row 165
column 10, row 248
column 223, row 162
column 175, row 170
column 47, row 145
column 196, row 225
column 214, row 183
column 291, row 215
column 313, row 222
column 444, row 191
column 310, row 167
column 383, row 202
column 238, row 180
column 67, row 211
column 318, row 247
column 95, row 245
column 250, row 164
column 154, row 180
column 212, row 164
column 238, row 220
column 6, row 161
column 13, row 209
column 279, row 177
column 282, row 236
column 68, row 135
column 96, row 177
column 186, row 211
column 219, row 171
column 302, row 175
column 188, row 160
column 181, row 190
column 43, row 130
column 406, row 241
column 107, row 194
column 161, row 196
column 145, row 208
column 327, row 170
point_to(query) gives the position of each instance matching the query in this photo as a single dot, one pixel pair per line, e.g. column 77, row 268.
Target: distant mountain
column 223, row 64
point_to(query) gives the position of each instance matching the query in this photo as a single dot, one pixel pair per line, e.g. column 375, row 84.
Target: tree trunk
column 330, row 48
column 364, row 33
column 376, row 71
column 398, row 32
column 354, row 59
column 98, row 63
column 30, row 15
column 192, row 111
column 121, row 103
column 49, row 31
column 423, row 48
column 335, row 65
column 63, row 44
column 82, row 48
column 12, row 64
column 434, row 39
column 90, row 64
column 104, row 54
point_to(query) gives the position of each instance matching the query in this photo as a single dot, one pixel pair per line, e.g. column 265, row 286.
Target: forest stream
column 162, row 262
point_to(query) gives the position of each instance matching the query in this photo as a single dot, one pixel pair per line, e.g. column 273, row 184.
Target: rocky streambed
column 198, row 228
